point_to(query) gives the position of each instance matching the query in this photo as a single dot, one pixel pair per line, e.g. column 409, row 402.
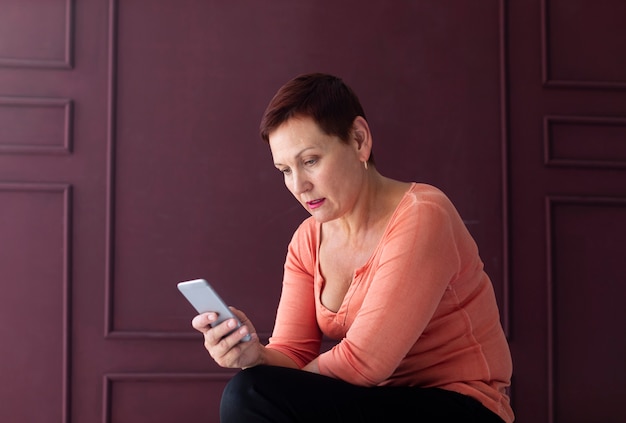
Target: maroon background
column 130, row 160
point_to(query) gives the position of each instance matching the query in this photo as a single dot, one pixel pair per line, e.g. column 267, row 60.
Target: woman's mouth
column 315, row 203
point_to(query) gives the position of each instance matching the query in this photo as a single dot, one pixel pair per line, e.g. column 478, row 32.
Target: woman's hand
column 227, row 350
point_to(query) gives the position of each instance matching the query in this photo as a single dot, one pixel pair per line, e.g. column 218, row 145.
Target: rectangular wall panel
column 586, row 311
column 35, row 125
column 148, row 398
column 585, row 141
column 192, row 189
column 34, row 305
column 36, row 33
column 584, row 42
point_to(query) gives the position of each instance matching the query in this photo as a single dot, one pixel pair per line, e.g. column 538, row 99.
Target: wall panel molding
column 33, row 58
column 114, row 329
column 110, row 330
column 504, row 151
column 585, row 141
column 607, row 72
column 50, row 129
column 562, row 292
column 160, row 386
column 110, row 169
column 65, row 193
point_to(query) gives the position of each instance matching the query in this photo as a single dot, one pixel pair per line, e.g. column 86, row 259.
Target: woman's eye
column 285, row 171
column 310, row 162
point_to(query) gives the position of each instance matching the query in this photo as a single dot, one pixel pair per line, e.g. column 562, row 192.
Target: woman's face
column 324, row 173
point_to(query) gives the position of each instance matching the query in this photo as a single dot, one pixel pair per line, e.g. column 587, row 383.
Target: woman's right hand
column 228, row 350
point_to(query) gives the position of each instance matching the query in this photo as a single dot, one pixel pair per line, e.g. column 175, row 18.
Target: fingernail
column 211, row 316
column 231, row 324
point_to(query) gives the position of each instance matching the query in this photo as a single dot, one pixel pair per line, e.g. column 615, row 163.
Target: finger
column 230, row 351
column 224, row 337
column 243, row 319
column 240, row 314
column 202, row 322
column 214, row 335
column 221, row 350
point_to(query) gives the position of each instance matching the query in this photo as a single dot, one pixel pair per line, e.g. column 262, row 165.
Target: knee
column 243, row 395
column 239, row 387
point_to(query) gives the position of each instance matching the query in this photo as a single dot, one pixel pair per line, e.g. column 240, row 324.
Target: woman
column 386, row 268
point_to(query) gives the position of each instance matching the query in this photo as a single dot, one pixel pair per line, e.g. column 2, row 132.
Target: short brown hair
column 325, row 98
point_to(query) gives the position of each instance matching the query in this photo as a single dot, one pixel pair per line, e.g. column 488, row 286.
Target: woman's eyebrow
column 300, row 153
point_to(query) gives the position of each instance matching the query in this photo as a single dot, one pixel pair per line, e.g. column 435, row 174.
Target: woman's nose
column 300, row 183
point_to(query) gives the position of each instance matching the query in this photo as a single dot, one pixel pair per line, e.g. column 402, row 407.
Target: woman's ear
column 361, row 134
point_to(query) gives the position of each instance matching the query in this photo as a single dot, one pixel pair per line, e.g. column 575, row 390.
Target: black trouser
column 280, row 395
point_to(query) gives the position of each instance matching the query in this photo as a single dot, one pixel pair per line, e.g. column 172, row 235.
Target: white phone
column 204, row 298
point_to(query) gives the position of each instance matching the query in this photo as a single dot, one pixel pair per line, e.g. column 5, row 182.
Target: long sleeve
column 296, row 332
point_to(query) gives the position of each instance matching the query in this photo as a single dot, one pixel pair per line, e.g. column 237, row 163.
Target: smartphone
column 204, row 298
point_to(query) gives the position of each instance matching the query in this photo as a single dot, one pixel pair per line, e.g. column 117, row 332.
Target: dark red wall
column 130, row 160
